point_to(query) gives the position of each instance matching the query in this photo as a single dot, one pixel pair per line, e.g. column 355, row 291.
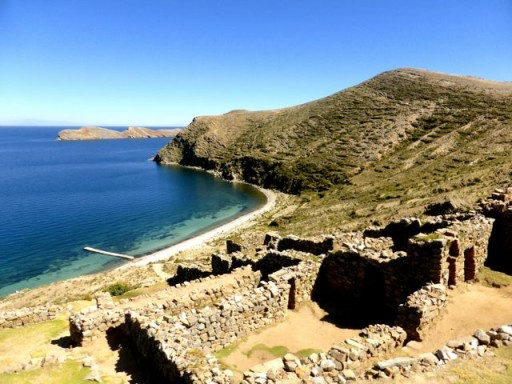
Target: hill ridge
column 404, row 134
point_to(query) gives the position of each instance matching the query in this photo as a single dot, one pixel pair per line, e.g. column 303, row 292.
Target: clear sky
column 162, row 62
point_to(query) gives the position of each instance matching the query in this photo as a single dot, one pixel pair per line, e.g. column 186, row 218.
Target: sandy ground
column 199, row 240
column 470, row 307
column 302, row 329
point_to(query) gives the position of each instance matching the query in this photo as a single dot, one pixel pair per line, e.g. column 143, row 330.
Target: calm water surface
column 57, row 197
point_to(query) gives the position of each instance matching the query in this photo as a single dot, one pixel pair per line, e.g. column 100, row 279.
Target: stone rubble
column 340, row 364
column 467, row 347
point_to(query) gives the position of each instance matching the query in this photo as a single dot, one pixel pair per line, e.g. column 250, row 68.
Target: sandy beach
column 201, row 239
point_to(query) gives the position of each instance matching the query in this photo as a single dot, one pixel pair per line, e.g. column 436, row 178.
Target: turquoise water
column 58, row 197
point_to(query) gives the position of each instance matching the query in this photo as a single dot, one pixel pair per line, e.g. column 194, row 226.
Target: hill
column 99, row 133
column 387, row 147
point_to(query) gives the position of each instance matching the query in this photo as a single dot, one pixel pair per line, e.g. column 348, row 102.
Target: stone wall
column 452, row 254
column 421, row 310
column 318, row 246
column 472, row 346
column 344, row 361
column 499, row 207
column 402, row 230
column 374, row 282
column 30, row 315
column 301, row 279
column 188, row 273
column 178, row 346
column 273, row 261
column 93, row 322
column 349, row 360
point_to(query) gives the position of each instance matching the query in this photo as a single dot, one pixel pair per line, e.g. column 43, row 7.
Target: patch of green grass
column 430, row 236
column 142, row 291
column 492, row 278
column 20, row 344
column 277, row 351
column 226, row 351
column 303, row 353
column 69, row 372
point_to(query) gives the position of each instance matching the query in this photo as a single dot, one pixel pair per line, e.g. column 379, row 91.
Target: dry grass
column 487, row 370
column 68, row 372
column 29, row 342
column 383, row 149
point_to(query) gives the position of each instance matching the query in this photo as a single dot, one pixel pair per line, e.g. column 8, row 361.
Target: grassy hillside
column 387, row 147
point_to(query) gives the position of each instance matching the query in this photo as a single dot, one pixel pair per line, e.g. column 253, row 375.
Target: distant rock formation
column 98, row 133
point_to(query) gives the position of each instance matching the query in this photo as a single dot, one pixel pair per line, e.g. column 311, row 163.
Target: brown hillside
column 403, row 138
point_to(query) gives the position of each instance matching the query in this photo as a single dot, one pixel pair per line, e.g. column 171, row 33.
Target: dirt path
column 158, row 268
column 470, row 306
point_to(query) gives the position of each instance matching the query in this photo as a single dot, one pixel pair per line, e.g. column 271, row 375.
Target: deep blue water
column 57, row 197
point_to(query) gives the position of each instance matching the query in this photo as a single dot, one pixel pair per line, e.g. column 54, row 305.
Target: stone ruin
column 396, row 276
column 24, row 316
column 391, row 281
column 499, row 207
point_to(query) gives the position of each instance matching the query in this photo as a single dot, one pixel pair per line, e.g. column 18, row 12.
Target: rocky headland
column 99, row 133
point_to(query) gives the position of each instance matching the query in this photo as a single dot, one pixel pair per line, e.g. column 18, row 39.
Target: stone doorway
column 500, row 245
column 452, row 271
column 292, row 294
column 469, row 264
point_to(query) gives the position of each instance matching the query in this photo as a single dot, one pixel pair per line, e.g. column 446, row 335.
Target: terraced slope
column 400, row 140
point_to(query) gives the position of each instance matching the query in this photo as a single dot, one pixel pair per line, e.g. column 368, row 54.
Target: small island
column 99, row 133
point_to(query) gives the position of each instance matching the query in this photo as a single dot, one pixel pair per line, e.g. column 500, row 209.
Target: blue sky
column 162, row 62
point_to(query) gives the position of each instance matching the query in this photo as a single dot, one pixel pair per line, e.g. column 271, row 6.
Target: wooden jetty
column 89, row 249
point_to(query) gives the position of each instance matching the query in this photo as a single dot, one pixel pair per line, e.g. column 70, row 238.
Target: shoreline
column 202, row 238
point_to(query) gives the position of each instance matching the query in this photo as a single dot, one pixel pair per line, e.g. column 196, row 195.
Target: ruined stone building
column 390, row 281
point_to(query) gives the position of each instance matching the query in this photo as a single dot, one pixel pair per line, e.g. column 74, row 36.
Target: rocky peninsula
column 99, row 133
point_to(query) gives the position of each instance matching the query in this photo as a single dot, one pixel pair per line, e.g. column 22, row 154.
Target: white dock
column 89, row 249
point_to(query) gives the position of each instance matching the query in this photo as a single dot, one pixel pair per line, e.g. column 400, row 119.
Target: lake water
column 57, row 197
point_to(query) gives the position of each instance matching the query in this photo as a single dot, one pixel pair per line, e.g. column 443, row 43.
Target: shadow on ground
column 129, row 362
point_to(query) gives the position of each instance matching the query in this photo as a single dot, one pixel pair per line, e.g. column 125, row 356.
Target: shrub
column 118, row 289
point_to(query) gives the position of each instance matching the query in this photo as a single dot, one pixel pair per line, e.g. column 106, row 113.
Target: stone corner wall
column 421, row 309
column 178, row 345
column 93, row 322
column 301, row 279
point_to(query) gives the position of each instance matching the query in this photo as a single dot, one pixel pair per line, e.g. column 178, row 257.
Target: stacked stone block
column 318, row 246
column 29, row 315
column 451, row 254
column 301, row 279
column 179, row 345
column 93, row 322
column 499, row 207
